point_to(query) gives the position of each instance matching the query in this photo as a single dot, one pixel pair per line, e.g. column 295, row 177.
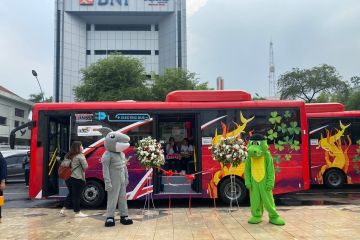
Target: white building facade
column 14, row 111
column 153, row 31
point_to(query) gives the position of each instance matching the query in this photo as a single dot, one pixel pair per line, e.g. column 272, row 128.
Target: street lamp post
column 34, row 73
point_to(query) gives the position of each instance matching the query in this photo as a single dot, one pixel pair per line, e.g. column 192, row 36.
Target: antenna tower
column 272, row 77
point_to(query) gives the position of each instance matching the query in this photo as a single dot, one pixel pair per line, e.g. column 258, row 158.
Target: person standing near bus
column 3, row 172
column 76, row 183
column 26, row 166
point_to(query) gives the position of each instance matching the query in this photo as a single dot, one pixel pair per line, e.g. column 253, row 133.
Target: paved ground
column 309, row 222
column 316, row 214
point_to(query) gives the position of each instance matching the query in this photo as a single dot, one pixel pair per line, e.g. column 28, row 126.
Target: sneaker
column 80, row 215
column 62, row 212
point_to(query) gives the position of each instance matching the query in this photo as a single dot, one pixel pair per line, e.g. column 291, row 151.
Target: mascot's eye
column 112, row 136
column 258, row 143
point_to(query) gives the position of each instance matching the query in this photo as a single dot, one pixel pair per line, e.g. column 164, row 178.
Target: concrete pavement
column 302, row 222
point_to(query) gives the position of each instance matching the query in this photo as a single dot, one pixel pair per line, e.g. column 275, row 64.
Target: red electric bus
column 334, row 144
column 203, row 117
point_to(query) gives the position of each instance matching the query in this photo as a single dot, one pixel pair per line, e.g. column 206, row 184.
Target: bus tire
column 334, row 178
column 93, row 194
column 225, row 191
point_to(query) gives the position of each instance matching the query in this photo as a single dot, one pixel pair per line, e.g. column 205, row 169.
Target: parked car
column 14, row 160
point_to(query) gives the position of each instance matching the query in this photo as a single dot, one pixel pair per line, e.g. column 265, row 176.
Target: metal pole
column 34, row 73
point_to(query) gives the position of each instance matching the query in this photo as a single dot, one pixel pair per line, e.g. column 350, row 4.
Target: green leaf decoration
column 272, row 135
column 295, row 146
column 287, row 114
column 282, row 128
column 287, row 157
column 287, row 140
column 277, row 169
column 294, row 129
column 356, row 166
column 277, row 158
column 275, row 118
column 358, row 142
column 279, row 145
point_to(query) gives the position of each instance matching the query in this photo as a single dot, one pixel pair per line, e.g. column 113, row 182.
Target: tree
column 37, row 98
column 347, row 93
column 111, row 79
column 175, row 79
column 306, row 84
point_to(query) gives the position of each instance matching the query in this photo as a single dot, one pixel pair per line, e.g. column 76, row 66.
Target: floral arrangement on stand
column 230, row 151
column 150, row 153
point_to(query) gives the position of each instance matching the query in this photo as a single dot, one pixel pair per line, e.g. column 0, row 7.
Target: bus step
column 174, row 180
column 177, row 188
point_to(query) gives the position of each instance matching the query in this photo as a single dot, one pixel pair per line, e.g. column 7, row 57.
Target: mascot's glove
column 108, row 187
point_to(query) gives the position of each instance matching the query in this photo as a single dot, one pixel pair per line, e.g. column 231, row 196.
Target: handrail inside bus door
column 29, row 125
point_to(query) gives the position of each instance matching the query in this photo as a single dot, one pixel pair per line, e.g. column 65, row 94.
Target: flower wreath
column 150, row 153
column 230, row 151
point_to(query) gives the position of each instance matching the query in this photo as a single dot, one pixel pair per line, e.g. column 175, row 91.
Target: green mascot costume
column 260, row 180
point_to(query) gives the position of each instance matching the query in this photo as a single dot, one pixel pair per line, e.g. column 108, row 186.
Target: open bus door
column 57, row 133
column 179, row 126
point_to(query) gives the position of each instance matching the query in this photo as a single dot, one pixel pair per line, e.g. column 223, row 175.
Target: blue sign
column 111, row 2
column 122, row 117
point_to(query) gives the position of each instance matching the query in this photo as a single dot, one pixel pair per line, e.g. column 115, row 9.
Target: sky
column 227, row 38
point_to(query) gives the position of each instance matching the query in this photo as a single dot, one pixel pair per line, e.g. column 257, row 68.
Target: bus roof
column 164, row 105
column 324, row 107
column 334, row 114
column 208, row 96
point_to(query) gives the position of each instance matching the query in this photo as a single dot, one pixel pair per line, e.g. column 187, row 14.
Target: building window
column 88, row 27
column 100, row 52
column 19, row 112
column 156, row 27
column 17, row 123
column 156, row 52
column 3, row 121
column 122, row 27
column 124, row 52
column 88, row 52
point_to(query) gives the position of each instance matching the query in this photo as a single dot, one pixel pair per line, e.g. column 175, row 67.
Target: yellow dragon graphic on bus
column 336, row 153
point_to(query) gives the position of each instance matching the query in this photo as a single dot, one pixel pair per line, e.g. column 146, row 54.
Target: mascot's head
column 257, row 146
column 114, row 141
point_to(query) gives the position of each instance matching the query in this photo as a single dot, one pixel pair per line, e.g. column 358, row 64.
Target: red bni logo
column 86, row 2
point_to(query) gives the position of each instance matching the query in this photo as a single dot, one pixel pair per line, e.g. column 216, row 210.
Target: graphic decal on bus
column 335, row 146
column 283, row 133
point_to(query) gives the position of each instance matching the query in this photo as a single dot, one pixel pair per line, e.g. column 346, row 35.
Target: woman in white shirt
column 186, row 152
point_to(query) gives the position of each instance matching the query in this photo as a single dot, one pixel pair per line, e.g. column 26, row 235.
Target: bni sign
column 105, row 2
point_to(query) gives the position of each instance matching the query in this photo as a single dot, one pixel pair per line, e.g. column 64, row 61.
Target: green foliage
column 175, row 79
column 113, row 78
column 347, row 93
column 37, row 98
column 306, row 84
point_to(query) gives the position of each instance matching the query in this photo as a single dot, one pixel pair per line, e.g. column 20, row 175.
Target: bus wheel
column 93, row 194
column 225, row 191
column 334, row 178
